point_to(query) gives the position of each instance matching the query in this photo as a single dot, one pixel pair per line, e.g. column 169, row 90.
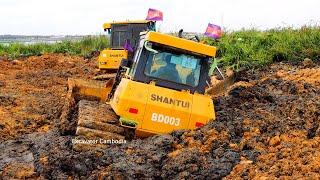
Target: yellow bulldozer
column 121, row 33
column 159, row 90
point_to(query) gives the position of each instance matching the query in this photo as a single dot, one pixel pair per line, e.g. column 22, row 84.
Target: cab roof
column 181, row 43
column 108, row 25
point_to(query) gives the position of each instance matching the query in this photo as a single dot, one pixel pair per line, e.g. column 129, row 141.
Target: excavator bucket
column 86, row 115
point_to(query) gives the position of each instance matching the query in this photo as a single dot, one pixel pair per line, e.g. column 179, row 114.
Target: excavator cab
column 122, row 34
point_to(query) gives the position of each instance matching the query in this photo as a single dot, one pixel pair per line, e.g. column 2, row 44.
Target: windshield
column 178, row 68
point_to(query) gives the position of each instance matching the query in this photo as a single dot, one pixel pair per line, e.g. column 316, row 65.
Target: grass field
column 252, row 48
column 81, row 47
column 238, row 49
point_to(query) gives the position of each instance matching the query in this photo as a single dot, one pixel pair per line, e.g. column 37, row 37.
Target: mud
column 267, row 127
column 32, row 91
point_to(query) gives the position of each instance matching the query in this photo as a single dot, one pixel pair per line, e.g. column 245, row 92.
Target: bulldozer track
column 78, row 90
column 98, row 116
column 88, row 118
column 95, row 122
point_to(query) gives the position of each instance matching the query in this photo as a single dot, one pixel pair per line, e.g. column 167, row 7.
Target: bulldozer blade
column 79, row 89
column 89, row 88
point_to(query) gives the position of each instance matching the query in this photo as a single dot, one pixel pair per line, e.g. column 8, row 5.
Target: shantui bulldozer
column 159, row 90
column 121, row 33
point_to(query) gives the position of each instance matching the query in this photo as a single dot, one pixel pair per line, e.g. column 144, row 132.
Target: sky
column 79, row 17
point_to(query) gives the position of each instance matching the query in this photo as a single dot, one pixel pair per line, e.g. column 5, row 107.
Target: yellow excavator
column 159, row 90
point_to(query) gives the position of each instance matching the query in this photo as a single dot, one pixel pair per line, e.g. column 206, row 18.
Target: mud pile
column 267, row 127
column 32, row 91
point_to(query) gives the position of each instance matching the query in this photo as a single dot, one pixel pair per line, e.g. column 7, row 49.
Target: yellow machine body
column 155, row 109
column 108, row 25
column 158, row 110
column 185, row 44
column 111, row 58
column 140, row 102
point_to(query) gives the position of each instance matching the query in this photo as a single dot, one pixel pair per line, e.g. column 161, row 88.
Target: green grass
column 253, row 48
column 237, row 49
column 81, row 47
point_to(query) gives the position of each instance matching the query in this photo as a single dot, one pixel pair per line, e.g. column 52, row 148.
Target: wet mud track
column 267, row 127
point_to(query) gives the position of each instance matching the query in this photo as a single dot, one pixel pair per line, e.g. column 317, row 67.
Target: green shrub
column 254, row 48
column 237, row 49
column 81, row 47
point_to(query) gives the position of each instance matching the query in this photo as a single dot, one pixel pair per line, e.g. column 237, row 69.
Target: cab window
column 178, row 68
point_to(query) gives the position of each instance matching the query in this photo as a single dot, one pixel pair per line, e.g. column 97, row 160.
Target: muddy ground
column 267, row 127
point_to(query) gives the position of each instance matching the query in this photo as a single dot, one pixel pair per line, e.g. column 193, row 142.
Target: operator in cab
column 168, row 71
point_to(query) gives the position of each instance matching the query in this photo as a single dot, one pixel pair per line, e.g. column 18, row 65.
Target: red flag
column 154, row 15
column 213, row 31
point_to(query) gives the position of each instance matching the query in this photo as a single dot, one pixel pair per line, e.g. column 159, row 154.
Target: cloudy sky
column 60, row 17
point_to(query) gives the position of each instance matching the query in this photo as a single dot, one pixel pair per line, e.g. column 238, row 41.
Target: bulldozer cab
column 129, row 31
column 172, row 62
column 124, row 38
column 164, row 88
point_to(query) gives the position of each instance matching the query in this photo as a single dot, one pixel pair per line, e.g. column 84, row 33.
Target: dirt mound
column 6, row 100
column 266, row 127
column 32, row 91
